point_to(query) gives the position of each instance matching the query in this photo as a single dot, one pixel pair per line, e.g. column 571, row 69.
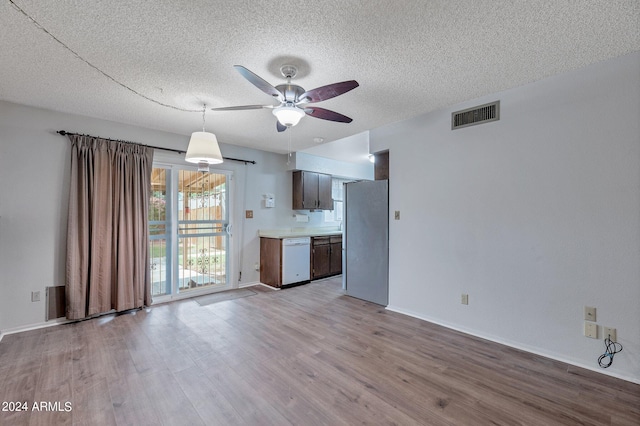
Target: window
column 337, row 189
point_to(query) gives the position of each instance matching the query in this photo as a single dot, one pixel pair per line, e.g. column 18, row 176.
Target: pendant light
column 203, row 148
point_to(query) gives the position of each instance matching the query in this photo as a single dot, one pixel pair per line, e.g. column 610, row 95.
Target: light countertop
column 299, row 232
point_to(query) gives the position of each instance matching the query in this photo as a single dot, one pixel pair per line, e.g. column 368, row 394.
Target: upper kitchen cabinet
column 311, row 191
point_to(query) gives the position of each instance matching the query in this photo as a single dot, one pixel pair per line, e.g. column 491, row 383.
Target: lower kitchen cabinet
column 325, row 259
column 320, row 257
column 271, row 261
column 326, row 256
column 336, row 255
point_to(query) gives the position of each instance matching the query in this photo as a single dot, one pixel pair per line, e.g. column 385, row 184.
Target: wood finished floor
column 306, row 355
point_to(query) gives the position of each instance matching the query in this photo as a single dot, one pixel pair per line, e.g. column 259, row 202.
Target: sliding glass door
column 202, row 230
column 189, row 238
column 160, row 215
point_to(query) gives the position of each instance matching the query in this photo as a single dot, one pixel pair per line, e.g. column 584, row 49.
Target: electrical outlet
column 35, row 296
column 464, row 299
column 249, row 214
column 591, row 329
column 589, row 313
column 610, row 333
column 257, row 266
column 396, row 215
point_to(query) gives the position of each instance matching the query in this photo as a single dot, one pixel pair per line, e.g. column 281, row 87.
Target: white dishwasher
column 296, row 260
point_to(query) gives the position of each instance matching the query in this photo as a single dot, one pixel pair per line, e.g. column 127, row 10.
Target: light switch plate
column 590, row 313
column 464, row 299
column 397, row 215
column 249, row 214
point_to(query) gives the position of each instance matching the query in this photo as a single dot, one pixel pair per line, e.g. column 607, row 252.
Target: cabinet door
column 309, row 190
column 297, row 191
column 321, row 260
column 325, row 201
column 271, row 261
column 336, row 258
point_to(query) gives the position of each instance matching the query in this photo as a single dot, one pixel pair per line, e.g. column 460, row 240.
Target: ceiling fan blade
column 241, row 107
column 326, row 114
column 281, row 127
column 327, row 92
column 259, row 83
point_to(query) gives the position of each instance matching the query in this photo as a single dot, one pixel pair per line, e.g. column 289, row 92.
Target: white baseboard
column 59, row 321
column 243, row 285
column 515, row 345
column 257, row 283
column 36, row 326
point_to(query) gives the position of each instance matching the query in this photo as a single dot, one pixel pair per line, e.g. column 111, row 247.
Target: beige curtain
column 108, row 236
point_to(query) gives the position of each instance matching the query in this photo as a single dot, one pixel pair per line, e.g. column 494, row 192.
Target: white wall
column 534, row 216
column 353, row 149
column 34, row 179
column 345, row 169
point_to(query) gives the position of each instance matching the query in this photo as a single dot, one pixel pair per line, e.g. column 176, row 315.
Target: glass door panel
column 202, row 230
column 159, row 237
column 188, row 225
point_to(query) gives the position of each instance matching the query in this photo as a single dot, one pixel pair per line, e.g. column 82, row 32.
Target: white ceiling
column 410, row 57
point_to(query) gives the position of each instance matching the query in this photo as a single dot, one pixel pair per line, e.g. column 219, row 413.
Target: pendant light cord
column 204, row 109
column 289, row 146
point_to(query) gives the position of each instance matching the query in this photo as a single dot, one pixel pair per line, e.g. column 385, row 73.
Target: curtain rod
column 64, row 133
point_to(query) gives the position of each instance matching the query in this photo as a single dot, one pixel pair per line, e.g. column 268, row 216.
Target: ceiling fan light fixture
column 288, row 115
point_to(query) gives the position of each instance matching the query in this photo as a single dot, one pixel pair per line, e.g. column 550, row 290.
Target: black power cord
column 611, row 348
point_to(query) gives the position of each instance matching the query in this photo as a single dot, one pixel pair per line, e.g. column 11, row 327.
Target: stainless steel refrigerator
column 365, row 242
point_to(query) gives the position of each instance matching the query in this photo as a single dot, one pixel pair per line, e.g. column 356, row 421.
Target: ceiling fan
column 294, row 100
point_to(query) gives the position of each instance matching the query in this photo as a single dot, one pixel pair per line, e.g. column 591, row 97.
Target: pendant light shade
column 288, row 115
column 203, row 148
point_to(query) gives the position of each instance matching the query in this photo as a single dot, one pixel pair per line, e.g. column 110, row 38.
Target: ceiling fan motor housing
column 291, row 92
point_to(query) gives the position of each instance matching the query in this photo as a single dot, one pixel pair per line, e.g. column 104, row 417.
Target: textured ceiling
column 410, row 57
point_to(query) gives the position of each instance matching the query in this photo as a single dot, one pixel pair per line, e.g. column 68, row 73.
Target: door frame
column 230, row 258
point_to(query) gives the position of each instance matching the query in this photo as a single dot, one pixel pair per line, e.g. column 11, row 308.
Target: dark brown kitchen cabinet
column 271, row 262
column 326, row 256
column 336, row 255
column 311, row 191
column 321, row 258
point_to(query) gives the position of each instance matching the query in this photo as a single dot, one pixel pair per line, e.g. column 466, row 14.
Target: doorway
column 189, row 232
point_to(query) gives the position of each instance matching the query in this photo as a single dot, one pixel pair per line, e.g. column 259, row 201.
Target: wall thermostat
column 269, row 201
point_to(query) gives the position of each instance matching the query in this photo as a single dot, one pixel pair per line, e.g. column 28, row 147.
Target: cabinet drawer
column 318, row 241
column 335, row 239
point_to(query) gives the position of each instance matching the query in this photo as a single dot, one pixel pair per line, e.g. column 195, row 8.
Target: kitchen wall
column 34, row 179
column 534, row 216
column 314, row 163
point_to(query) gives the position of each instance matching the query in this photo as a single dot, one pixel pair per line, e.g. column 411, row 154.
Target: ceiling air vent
column 476, row 115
